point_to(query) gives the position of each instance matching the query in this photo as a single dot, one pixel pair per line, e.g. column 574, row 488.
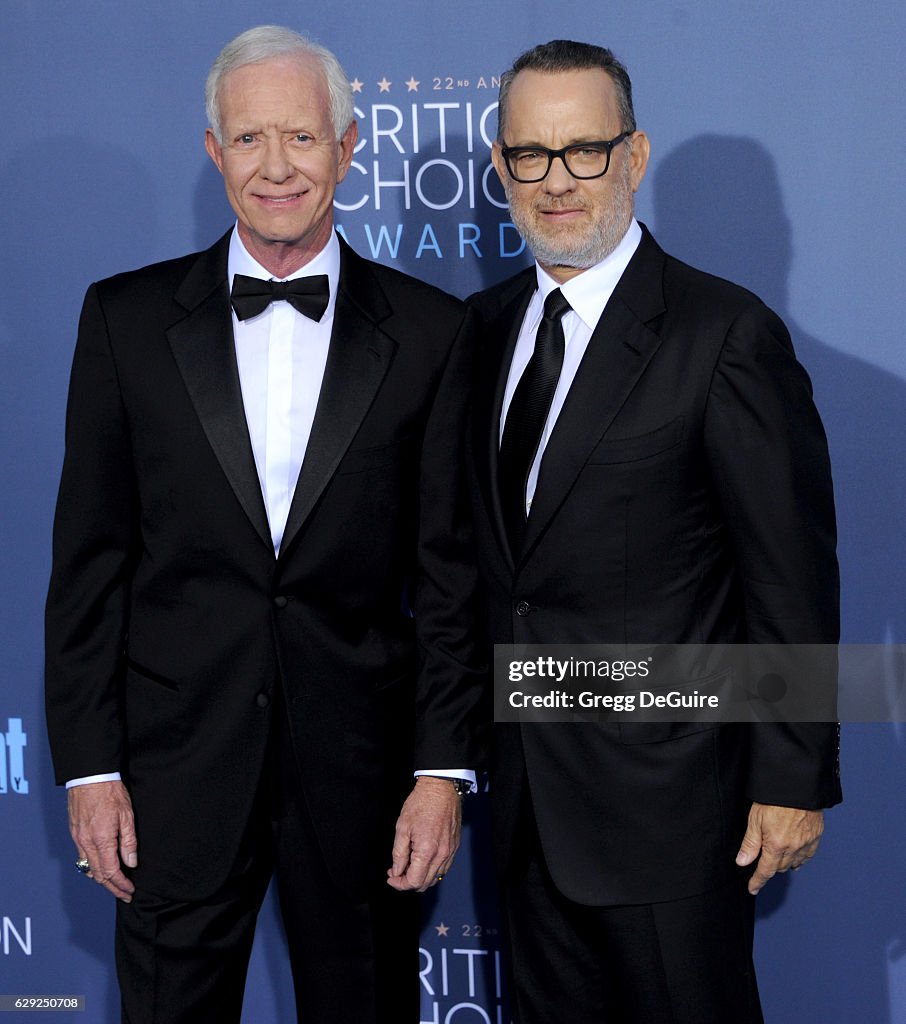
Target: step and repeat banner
column 777, row 160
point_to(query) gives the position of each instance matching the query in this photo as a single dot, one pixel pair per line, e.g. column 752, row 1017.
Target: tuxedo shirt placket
column 281, row 356
column 278, row 481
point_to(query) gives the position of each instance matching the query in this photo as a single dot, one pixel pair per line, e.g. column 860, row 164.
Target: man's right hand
column 102, row 826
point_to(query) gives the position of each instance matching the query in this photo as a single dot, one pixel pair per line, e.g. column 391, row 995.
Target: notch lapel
column 499, row 343
column 203, row 347
column 359, row 357
column 620, row 349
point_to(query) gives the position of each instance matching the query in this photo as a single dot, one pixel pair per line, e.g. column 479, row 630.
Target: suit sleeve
column 452, row 686
column 94, row 541
column 769, row 461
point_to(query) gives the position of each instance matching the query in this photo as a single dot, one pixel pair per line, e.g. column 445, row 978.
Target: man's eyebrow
column 577, row 141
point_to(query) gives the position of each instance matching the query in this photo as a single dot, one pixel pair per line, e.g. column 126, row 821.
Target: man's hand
column 102, row 826
column 786, row 838
column 427, row 835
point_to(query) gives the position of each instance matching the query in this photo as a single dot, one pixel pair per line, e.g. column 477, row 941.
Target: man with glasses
column 649, row 469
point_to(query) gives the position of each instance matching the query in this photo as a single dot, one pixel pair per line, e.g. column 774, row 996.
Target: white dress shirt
column 587, row 293
column 281, row 356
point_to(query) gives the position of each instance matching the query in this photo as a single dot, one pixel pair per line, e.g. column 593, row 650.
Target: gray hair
column 264, row 43
column 566, row 55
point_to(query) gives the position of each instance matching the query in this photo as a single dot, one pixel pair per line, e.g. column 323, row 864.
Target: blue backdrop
column 777, row 160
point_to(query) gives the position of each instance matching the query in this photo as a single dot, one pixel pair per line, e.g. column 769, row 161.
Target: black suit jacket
column 171, row 626
column 684, row 496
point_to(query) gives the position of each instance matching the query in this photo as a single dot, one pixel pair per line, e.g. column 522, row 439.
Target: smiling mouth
column 281, row 199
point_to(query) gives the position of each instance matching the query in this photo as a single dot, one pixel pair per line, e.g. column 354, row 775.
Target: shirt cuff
column 89, row 779
column 452, row 773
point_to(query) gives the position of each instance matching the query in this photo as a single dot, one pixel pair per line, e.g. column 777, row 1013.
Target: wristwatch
column 462, row 786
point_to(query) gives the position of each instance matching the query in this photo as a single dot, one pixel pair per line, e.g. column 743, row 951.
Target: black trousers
column 186, row 963
column 687, row 961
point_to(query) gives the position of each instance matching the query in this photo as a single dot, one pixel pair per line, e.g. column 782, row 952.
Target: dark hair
column 567, row 55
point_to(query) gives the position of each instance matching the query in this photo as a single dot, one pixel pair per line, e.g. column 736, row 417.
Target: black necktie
column 527, row 414
column 251, row 296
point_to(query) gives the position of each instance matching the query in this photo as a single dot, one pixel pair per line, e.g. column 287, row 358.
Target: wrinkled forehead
column 275, row 89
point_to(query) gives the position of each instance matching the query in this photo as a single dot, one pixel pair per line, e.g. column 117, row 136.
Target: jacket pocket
column 154, row 677
column 660, row 732
column 642, row 446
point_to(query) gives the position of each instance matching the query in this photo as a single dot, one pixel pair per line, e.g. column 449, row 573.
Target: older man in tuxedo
column 649, row 468
column 263, row 475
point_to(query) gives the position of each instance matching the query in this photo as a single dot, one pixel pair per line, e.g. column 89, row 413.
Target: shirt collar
column 327, row 261
column 589, row 292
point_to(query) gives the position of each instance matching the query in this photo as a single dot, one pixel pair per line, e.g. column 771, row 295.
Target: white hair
column 264, row 43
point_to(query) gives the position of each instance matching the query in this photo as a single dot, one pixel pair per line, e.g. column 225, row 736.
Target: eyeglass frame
column 609, row 144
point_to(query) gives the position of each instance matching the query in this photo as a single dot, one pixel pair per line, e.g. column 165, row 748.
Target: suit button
column 280, row 601
column 523, row 608
column 262, row 700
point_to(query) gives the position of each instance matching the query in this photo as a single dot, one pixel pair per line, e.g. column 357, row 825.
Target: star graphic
column 356, row 85
column 412, row 85
column 442, row 929
column 384, row 85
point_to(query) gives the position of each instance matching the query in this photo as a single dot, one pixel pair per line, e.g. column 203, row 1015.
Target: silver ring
column 82, row 865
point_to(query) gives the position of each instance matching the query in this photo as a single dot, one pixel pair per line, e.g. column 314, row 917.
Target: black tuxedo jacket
column 684, row 496
column 172, row 628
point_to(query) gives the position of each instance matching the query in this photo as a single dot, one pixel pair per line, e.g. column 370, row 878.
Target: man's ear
column 214, row 149
column 638, row 161
column 499, row 163
column 347, row 148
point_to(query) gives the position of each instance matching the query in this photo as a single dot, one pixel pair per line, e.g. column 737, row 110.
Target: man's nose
column 558, row 179
column 274, row 165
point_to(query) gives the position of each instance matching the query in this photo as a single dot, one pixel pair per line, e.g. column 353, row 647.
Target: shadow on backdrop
column 719, row 206
column 842, row 932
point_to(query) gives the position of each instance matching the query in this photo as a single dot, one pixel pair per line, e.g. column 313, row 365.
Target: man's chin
column 572, row 257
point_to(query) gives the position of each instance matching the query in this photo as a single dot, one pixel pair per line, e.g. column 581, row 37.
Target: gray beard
column 579, row 252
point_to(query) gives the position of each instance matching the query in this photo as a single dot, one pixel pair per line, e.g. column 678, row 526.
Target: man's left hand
column 427, row 835
column 785, row 838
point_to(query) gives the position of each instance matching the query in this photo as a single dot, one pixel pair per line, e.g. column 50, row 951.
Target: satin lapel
column 620, row 349
column 358, row 360
column 202, row 345
column 499, row 343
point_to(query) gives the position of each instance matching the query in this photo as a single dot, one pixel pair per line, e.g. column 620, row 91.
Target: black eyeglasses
column 582, row 159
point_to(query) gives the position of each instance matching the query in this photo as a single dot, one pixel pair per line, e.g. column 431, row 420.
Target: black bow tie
column 251, row 296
